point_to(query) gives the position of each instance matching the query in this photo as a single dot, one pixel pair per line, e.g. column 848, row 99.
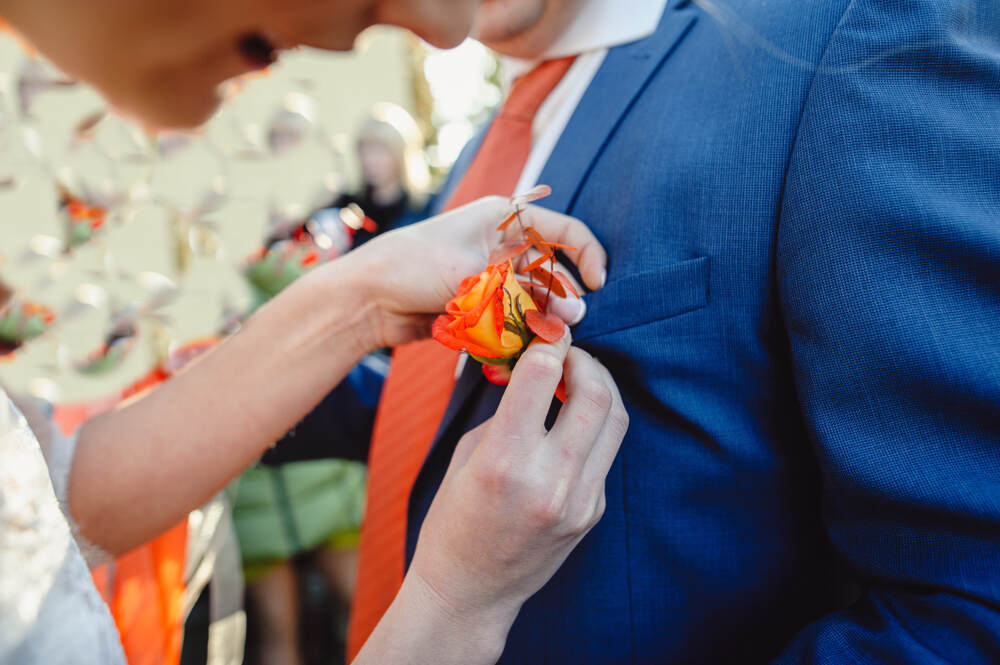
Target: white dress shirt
column 600, row 25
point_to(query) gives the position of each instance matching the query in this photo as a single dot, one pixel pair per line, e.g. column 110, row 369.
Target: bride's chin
column 178, row 109
column 501, row 21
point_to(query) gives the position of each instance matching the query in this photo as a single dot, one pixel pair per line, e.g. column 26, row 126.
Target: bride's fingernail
column 604, row 276
column 581, row 312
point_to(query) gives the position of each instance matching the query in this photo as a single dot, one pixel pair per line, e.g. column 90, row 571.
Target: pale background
column 148, row 241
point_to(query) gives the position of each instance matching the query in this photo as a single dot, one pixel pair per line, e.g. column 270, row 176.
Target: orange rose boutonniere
column 494, row 315
column 487, row 319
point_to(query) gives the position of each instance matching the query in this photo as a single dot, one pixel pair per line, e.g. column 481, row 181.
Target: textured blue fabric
column 801, row 202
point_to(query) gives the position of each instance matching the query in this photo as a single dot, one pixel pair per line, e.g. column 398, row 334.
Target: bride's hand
column 412, row 272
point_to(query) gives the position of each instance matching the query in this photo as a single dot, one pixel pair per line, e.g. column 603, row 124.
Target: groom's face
column 163, row 60
column 524, row 28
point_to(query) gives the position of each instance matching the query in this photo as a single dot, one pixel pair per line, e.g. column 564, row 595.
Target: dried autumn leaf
column 536, row 239
column 550, row 281
column 568, row 283
column 537, row 263
column 533, row 194
column 509, row 250
column 559, row 245
column 546, row 325
column 541, row 244
column 505, row 223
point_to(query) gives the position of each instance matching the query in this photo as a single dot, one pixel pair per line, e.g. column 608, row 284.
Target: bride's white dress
column 50, row 612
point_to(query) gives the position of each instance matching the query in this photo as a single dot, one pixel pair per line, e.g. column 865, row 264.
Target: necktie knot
column 505, row 149
column 530, row 90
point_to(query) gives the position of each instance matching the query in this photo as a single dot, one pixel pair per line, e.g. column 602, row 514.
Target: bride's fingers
column 570, row 308
column 520, row 417
column 464, row 450
column 532, row 255
column 587, row 253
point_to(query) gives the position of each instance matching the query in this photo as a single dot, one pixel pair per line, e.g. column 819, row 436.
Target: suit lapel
column 619, row 81
column 621, row 78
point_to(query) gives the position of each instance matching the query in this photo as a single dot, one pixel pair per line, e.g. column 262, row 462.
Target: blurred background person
column 292, row 521
column 394, row 173
column 299, row 523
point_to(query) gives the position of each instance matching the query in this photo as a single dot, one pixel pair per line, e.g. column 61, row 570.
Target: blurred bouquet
column 82, row 221
column 294, row 248
column 22, row 321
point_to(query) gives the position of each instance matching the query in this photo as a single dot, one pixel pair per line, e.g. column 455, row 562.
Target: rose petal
column 499, row 316
column 467, row 284
column 441, row 332
column 492, row 294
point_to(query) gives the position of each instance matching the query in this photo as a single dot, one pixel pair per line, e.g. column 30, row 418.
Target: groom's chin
column 504, row 21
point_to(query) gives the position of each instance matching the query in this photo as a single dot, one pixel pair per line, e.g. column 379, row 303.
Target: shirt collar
column 601, row 24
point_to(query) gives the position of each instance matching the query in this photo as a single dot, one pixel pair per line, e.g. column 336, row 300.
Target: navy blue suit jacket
column 801, row 204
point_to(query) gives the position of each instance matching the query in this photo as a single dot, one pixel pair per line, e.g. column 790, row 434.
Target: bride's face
column 163, row 60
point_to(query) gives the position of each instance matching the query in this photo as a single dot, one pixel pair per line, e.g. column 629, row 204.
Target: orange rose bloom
column 486, row 318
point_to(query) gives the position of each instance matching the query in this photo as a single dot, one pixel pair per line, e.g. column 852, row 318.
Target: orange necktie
column 420, row 381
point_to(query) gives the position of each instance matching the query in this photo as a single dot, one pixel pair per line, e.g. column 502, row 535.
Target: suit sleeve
column 889, row 276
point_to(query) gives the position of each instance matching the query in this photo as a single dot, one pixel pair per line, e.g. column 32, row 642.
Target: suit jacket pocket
column 646, row 297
